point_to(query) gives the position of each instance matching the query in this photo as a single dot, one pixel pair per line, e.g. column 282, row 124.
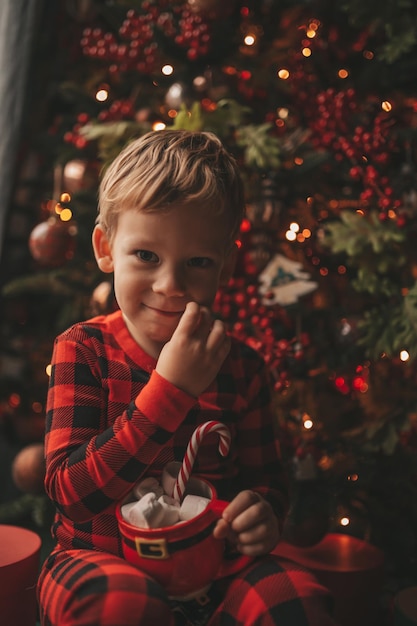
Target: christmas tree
column 317, row 102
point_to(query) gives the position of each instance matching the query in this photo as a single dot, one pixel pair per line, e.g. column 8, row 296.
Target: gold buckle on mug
column 152, row 548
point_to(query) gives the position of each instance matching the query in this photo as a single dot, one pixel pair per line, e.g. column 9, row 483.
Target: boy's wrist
column 164, row 403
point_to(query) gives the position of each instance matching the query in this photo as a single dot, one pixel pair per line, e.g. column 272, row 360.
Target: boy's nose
column 170, row 282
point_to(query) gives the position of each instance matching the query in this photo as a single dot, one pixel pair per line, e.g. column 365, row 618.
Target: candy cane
column 192, row 449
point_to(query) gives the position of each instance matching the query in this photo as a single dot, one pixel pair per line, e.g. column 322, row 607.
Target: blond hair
column 165, row 168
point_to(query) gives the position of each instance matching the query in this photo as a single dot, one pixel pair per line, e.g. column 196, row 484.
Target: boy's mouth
column 164, row 312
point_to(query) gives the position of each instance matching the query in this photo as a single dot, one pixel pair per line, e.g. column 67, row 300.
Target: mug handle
column 235, row 563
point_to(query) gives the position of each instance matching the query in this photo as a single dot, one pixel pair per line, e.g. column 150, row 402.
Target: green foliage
column 111, row 137
column 261, row 149
column 390, row 328
column 373, row 247
column 394, row 20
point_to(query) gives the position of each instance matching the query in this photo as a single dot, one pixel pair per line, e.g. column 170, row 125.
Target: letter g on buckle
column 152, row 548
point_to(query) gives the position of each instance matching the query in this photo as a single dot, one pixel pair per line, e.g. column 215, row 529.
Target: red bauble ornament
column 52, row 243
column 28, row 469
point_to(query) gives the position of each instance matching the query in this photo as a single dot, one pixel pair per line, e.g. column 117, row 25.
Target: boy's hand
column 250, row 523
column 195, row 352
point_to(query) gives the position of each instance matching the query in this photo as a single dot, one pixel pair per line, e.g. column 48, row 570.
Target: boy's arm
column 89, row 463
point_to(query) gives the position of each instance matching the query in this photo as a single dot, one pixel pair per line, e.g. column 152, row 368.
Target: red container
column 184, row 558
column 19, row 567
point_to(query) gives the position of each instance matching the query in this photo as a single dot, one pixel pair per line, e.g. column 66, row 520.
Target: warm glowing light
column 65, row 197
column 353, row 478
column 283, row 74
column 306, row 52
column 200, row 82
column 404, row 355
column 308, row 423
column 102, row 95
column 167, row 70
column 295, row 227
column 342, row 73
column 249, row 40
column 245, row 226
column 324, row 271
column 386, row 106
column 37, row 407
column 158, row 126
column 282, row 113
column 172, row 113
column 290, row 235
column 48, row 369
column 298, row 161
column 311, row 33
column 65, row 215
column 344, row 521
column 306, row 233
column 58, row 208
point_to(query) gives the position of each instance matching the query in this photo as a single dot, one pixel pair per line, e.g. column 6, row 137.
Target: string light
column 386, row 106
column 307, row 422
column 167, row 70
column 102, row 94
column 404, row 355
column 283, row 74
column 65, row 215
column 158, row 126
column 249, row 40
column 48, row 369
column 344, row 521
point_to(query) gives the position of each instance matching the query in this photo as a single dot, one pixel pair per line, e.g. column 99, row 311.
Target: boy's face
column 161, row 261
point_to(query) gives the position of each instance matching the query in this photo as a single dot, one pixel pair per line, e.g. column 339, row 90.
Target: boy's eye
column 200, row 261
column 147, row 256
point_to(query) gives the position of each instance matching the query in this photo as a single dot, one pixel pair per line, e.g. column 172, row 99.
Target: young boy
column 128, row 389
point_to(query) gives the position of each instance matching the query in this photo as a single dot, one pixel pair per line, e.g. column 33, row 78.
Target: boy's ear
column 102, row 250
column 229, row 265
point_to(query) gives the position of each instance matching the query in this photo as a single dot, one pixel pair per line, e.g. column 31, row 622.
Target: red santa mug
column 184, row 558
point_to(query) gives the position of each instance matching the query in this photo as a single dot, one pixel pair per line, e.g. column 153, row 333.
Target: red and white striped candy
column 192, row 449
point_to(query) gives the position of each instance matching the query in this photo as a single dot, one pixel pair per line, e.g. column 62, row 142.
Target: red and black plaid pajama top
column 111, row 420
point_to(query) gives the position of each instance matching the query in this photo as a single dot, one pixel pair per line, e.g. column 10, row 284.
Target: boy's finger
column 239, row 504
column 190, row 318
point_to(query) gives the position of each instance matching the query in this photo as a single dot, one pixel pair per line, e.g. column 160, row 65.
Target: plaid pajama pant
column 88, row 588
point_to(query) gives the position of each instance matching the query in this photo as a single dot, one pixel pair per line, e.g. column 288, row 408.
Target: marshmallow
column 192, row 506
column 147, row 485
column 149, row 512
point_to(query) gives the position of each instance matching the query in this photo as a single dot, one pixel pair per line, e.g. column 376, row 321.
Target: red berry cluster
column 190, row 31
column 367, row 146
column 118, row 110
column 254, row 323
column 74, row 136
column 135, row 47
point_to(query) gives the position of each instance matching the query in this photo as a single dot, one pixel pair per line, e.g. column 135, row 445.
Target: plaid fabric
column 90, row 588
column 111, row 419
